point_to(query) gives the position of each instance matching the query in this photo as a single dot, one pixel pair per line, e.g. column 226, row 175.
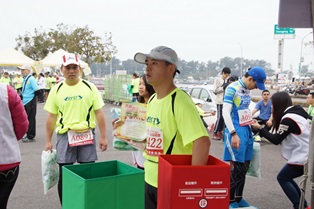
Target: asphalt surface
column 265, row 193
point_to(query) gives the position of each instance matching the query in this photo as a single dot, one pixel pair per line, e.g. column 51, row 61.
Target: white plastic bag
column 49, row 169
column 255, row 165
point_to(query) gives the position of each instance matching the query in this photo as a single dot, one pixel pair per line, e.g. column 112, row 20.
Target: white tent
column 12, row 57
column 55, row 60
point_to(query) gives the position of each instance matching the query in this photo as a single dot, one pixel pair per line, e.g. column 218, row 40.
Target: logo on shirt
column 154, row 121
column 78, row 97
column 282, row 128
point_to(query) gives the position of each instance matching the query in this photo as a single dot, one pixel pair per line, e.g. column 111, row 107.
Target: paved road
column 28, row 191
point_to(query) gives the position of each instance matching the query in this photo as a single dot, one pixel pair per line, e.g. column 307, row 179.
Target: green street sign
column 280, row 31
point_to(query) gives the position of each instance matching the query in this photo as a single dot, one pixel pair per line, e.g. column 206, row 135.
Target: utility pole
column 241, row 64
column 111, row 50
column 280, row 54
column 301, row 54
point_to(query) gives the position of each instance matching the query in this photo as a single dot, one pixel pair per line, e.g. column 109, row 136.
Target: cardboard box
column 110, row 184
column 181, row 185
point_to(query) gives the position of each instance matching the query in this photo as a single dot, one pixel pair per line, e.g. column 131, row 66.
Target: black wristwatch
column 233, row 133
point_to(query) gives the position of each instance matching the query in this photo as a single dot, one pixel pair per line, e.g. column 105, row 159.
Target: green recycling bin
column 102, row 185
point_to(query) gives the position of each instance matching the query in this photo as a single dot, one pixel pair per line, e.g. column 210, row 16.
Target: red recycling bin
column 181, row 185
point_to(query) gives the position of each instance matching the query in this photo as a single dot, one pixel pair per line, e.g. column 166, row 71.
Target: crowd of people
column 75, row 107
column 45, row 82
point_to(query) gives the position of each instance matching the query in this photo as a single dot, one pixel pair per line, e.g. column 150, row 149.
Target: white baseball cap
column 24, row 67
column 159, row 53
column 70, row 58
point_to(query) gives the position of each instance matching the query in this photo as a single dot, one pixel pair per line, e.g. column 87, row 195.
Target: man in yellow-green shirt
column 172, row 115
column 6, row 79
column 53, row 80
column 310, row 101
column 48, row 85
column 18, row 81
column 73, row 106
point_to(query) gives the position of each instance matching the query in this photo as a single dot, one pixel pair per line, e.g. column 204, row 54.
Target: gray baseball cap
column 159, row 53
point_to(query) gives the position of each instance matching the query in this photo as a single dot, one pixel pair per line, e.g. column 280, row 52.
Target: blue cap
column 259, row 76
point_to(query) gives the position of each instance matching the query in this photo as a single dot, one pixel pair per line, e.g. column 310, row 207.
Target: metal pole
column 111, row 78
column 280, row 59
column 241, row 70
column 280, row 54
column 301, row 54
column 110, row 63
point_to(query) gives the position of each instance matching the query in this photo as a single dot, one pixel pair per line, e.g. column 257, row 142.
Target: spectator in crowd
column 57, row 77
column 219, row 83
column 41, row 82
column 53, row 80
column 231, row 79
column 265, row 112
column 291, row 131
column 30, row 90
column 310, row 101
column 48, row 85
column 14, row 125
column 35, row 76
column 6, row 79
column 134, row 86
column 18, row 81
column 204, row 114
column 145, row 92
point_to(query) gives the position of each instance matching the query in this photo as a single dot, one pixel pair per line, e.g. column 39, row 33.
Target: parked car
column 301, row 90
column 204, row 94
column 100, row 84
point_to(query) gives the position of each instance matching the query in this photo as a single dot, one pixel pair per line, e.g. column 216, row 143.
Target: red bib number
column 154, row 142
column 245, row 117
column 80, row 139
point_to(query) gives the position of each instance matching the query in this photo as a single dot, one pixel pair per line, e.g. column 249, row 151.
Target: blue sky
column 198, row 30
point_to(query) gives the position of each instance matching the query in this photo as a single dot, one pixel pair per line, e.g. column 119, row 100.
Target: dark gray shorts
column 80, row 154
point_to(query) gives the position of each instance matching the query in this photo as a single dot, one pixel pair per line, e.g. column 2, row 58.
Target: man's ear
column 172, row 68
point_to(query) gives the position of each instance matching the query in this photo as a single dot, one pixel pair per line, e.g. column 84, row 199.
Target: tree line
column 98, row 52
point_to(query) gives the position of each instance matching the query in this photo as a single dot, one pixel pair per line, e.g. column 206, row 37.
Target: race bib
column 154, row 142
column 245, row 117
column 80, row 139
